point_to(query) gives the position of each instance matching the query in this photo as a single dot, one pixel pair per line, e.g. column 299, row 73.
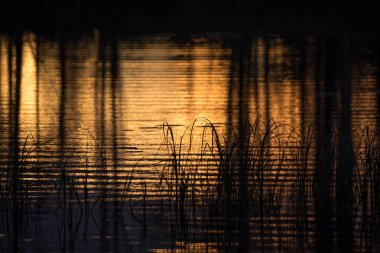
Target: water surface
column 100, row 102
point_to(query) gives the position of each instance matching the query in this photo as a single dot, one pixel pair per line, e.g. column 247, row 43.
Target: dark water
column 94, row 108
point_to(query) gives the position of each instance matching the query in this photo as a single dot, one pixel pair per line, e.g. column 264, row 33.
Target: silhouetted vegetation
column 256, row 190
column 273, row 204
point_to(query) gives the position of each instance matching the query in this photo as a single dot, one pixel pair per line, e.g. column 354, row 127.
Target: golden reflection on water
column 106, row 96
column 29, row 92
column 190, row 247
column 120, row 93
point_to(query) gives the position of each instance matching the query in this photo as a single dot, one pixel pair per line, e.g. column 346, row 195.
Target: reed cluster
column 260, row 186
column 267, row 186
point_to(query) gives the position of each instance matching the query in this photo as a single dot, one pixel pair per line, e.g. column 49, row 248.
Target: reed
column 267, row 178
column 366, row 188
column 265, row 186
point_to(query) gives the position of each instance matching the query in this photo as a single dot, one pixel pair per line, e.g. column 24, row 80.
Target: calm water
column 101, row 102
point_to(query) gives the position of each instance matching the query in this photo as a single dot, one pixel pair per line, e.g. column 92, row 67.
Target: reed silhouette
column 268, row 194
column 199, row 190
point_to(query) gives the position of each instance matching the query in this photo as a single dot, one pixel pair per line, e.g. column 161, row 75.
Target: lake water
column 96, row 106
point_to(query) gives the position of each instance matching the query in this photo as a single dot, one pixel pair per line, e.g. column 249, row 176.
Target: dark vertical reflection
column 301, row 209
column 266, row 77
column 230, row 119
column 238, row 101
column 38, row 122
column 104, row 245
column 230, row 96
column 62, row 141
column 4, row 220
column 376, row 184
column 114, row 119
column 62, row 97
column 243, row 121
column 9, row 123
column 377, row 62
column 244, row 66
column 325, row 57
column 344, row 201
column 14, row 169
column 261, row 172
column 302, row 78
